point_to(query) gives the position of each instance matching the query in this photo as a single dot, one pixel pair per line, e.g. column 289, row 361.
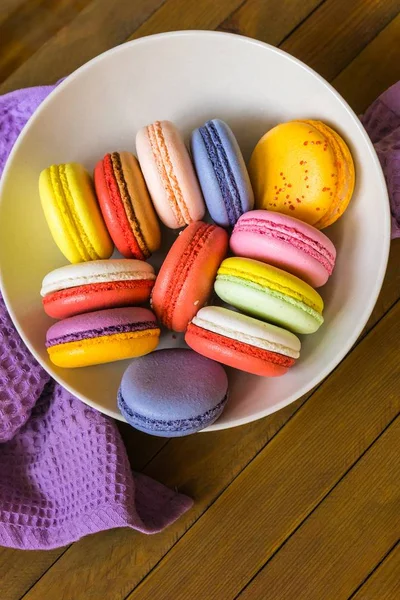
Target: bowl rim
column 368, row 306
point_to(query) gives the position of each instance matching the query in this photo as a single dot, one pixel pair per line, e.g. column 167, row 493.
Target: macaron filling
column 290, row 235
column 185, row 263
column 242, row 347
column 167, row 175
column 223, row 172
column 241, row 337
column 161, row 425
column 101, row 332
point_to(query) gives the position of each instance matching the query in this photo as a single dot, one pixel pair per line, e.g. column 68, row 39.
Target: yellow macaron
column 269, row 293
column 303, row 169
column 73, row 214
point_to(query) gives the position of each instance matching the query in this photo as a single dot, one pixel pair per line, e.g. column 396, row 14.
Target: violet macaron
column 285, row 242
column 102, row 336
column 172, row 393
column 222, row 172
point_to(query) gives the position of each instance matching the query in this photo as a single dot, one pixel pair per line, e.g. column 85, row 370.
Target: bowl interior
column 190, row 77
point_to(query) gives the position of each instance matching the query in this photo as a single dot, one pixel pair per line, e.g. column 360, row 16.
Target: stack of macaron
column 300, row 180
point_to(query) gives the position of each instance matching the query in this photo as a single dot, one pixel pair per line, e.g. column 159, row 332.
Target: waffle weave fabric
column 382, row 122
column 64, row 472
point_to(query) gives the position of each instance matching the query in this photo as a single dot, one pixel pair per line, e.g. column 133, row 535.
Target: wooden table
column 303, row 504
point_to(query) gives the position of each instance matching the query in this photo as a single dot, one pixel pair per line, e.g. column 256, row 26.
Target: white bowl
column 189, row 77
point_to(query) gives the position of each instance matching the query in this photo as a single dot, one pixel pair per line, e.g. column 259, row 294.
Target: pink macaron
column 169, row 174
column 285, row 242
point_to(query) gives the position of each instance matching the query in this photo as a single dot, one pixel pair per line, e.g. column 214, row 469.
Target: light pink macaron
column 285, row 242
column 169, row 174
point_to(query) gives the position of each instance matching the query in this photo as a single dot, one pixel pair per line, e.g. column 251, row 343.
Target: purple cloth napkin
column 64, row 472
column 382, row 122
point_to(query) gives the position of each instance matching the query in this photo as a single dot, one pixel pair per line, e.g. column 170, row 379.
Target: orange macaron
column 303, row 169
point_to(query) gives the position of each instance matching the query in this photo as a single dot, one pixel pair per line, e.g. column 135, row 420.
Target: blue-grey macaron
column 222, row 172
column 172, row 393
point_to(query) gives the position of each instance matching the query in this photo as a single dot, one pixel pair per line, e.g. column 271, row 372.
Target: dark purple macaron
column 172, row 393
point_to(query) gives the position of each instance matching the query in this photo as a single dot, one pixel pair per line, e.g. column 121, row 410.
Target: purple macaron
column 222, row 172
column 102, row 336
column 172, row 393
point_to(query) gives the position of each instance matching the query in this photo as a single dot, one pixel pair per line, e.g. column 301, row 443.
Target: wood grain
column 29, row 26
column 175, row 15
column 97, row 28
column 384, row 583
column 288, row 478
column 336, row 32
column 344, row 538
column 268, row 21
column 374, row 70
column 8, row 7
column 140, row 447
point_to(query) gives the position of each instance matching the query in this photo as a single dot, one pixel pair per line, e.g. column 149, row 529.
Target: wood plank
column 140, row 447
column 336, row 32
column 19, row 569
column 384, row 582
column 175, row 15
column 390, row 289
column 269, row 21
column 98, row 27
column 30, row 26
column 288, row 478
column 333, row 547
column 8, row 7
column 375, row 69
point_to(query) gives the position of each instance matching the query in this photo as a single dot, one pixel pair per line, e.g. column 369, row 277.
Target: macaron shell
column 345, row 174
column 186, row 277
column 141, row 201
column 284, row 242
column 162, row 394
column 235, row 167
column 104, row 349
column 72, row 213
column 294, row 170
column 169, row 174
column 226, row 351
column 93, row 297
column 96, row 271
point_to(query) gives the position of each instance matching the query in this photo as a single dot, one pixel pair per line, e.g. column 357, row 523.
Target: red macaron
column 96, row 285
column 186, row 278
column 126, row 205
